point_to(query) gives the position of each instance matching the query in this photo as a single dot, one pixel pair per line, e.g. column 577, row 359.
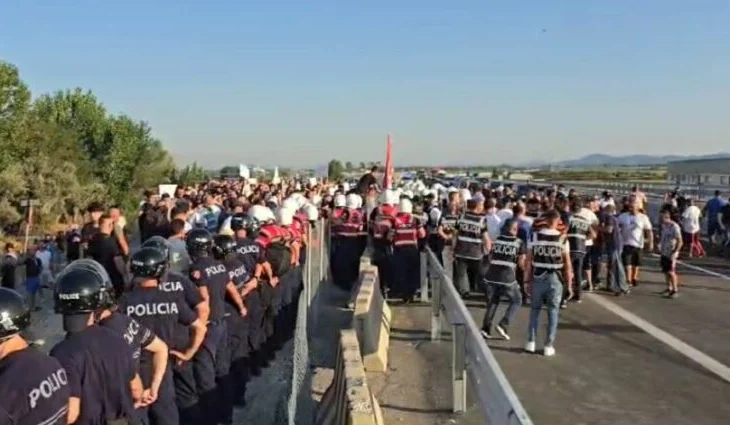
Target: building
column 707, row 171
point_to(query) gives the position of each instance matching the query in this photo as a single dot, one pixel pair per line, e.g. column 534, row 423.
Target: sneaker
column 530, row 346
column 549, row 351
column 485, row 334
column 673, row 295
column 501, row 330
column 666, row 292
column 563, row 304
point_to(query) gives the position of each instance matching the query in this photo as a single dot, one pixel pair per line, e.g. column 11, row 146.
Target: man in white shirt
column 691, row 229
column 506, row 212
column 593, row 256
column 44, row 255
column 494, row 223
column 636, row 230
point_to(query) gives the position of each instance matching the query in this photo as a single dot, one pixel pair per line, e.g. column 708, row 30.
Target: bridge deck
column 606, row 371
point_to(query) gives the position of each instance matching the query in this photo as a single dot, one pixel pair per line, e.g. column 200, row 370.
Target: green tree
column 335, row 169
column 191, row 174
column 14, row 105
column 363, row 166
column 349, row 166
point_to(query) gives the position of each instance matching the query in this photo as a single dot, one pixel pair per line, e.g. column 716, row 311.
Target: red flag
column 388, row 174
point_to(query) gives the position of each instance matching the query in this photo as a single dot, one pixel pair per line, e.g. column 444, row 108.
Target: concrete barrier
column 348, row 400
column 371, row 320
column 364, row 263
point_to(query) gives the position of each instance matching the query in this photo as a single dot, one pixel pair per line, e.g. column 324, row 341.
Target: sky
column 296, row 83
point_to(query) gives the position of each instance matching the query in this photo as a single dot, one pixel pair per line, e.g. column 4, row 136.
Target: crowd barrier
column 348, row 400
column 371, row 320
column 472, row 361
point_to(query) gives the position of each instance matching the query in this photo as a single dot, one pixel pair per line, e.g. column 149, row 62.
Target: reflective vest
column 469, row 239
column 503, row 260
column 547, row 251
column 382, row 222
column 578, row 231
column 406, row 230
column 364, row 229
column 348, row 225
column 448, row 222
column 270, row 234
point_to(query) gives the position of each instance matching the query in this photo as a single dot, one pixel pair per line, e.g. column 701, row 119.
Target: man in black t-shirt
column 104, row 248
column 91, row 228
column 33, row 269
column 8, row 266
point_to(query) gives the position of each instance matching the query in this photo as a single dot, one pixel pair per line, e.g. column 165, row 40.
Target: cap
column 74, row 323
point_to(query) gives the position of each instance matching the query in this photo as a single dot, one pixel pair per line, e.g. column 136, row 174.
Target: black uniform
column 99, row 367
column 502, row 277
column 165, row 314
column 251, row 255
column 469, row 250
column 212, row 360
column 579, row 229
column 135, row 334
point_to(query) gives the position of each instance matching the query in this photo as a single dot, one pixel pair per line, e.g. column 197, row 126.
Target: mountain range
column 597, row 159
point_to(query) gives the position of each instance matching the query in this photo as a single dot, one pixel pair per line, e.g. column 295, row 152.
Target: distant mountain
column 596, row 160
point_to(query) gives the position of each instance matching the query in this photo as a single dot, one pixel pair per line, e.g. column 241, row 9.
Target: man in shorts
column 670, row 243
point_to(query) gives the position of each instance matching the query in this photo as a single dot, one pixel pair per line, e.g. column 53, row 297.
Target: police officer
column 33, row 386
column 405, row 236
column 579, row 231
column 508, row 252
column 165, row 313
column 251, row 255
column 471, row 243
column 90, row 278
column 382, row 220
column 446, row 225
column 99, row 364
column 548, row 255
column 213, row 281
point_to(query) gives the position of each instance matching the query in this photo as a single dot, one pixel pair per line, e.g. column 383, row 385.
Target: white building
column 709, row 171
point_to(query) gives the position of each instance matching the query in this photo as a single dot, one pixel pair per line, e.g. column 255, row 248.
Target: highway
column 640, row 359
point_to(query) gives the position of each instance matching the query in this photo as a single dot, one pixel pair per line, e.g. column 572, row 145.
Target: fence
column 471, row 361
column 300, row 409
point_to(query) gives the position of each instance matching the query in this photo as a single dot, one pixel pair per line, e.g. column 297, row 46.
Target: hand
column 243, row 311
column 149, row 396
column 274, row 281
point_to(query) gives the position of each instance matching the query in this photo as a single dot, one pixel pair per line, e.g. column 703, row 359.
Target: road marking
column 682, row 347
column 698, row 268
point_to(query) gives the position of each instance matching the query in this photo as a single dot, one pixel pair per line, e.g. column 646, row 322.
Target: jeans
column 494, row 296
column 467, row 274
column 548, row 289
column 615, row 274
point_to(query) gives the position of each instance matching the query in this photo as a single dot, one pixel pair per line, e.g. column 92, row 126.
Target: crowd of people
column 170, row 332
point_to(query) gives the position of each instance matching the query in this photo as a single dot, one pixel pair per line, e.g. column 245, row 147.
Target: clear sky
column 470, row 82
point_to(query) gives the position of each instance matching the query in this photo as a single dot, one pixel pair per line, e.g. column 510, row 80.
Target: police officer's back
column 33, row 386
column 99, row 364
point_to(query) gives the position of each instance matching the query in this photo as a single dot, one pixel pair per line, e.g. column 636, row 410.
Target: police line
column 472, row 361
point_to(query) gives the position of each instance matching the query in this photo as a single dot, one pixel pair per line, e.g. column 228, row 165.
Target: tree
column 363, row 166
column 348, row 166
column 14, row 105
column 335, row 169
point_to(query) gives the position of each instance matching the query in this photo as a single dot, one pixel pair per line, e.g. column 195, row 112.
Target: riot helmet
column 222, row 246
column 149, row 263
column 14, row 313
column 84, row 286
column 199, row 242
column 158, row 242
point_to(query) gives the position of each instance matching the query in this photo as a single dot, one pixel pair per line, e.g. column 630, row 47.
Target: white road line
column 682, row 347
column 699, row 269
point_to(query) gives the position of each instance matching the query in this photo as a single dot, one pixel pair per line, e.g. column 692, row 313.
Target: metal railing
column 472, row 361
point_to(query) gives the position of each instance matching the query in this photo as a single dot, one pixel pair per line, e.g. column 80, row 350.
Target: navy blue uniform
column 238, row 336
column 135, row 334
column 99, row 366
column 33, row 389
column 212, row 361
column 168, row 316
column 251, row 255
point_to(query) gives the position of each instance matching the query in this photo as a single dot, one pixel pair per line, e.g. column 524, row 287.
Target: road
column 640, row 359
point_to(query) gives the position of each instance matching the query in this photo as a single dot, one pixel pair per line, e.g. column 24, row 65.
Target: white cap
column 391, row 197
column 405, row 206
column 290, row 203
column 260, row 213
column 285, row 216
column 353, row 200
column 311, row 212
column 340, row 200
column 346, row 186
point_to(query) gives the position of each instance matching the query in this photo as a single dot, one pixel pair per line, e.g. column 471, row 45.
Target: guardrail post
column 434, row 279
column 308, row 270
column 324, row 250
column 424, row 276
column 458, row 368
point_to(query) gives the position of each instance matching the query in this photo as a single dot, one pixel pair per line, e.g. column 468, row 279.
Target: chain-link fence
column 300, row 410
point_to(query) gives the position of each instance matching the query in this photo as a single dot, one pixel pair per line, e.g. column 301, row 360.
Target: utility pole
column 29, row 204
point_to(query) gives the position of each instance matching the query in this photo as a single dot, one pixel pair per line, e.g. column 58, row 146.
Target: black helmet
column 83, row 287
column 238, row 221
column 149, row 263
column 244, row 221
column 223, row 245
column 199, row 241
column 14, row 313
column 158, row 242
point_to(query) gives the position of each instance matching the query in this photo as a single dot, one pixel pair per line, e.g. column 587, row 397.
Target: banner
column 167, row 188
column 388, row 172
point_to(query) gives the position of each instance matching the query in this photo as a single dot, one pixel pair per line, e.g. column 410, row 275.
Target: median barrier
column 371, row 320
column 364, row 262
column 348, row 400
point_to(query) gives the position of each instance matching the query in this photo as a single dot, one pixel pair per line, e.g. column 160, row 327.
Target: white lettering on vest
column 240, row 271
column 131, row 332
column 548, row 251
column 47, row 387
column 505, row 249
column 214, row 270
column 248, row 249
column 171, row 287
column 69, row 296
column 152, row 309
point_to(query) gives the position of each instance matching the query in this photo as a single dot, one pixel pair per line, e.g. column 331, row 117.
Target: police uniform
column 33, row 386
column 164, row 311
column 381, row 222
column 469, row 250
column 345, row 253
column 547, row 247
column 406, row 233
column 578, row 232
column 501, row 275
column 251, row 255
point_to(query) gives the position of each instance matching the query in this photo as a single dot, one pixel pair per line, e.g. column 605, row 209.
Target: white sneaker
column 530, row 346
column 503, row 332
column 549, row 351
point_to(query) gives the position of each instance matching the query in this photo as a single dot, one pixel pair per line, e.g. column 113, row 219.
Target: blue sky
column 299, row 82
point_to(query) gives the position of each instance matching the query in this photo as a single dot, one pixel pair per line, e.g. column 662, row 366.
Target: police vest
column 431, row 223
column 503, row 260
column 547, row 252
column 448, row 222
column 381, row 224
column 348, row 224
column 469, row 239
column 578, row 228
column 405, row 230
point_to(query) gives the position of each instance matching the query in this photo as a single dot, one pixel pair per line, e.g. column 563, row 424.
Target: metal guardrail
column 656, row 190
column 472, row 361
